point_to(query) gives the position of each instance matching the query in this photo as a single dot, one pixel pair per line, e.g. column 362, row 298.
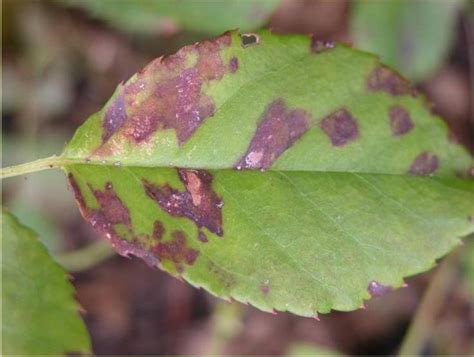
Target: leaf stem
column 33, row 166
column 87, row 257
column 433, row 301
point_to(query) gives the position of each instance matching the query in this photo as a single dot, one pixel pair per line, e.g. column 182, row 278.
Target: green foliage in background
column 414, row 36
column 309, row 349
column 317, row 176
column 467, row 261
column 39, row 314
column 30, row 197
column 204, row 16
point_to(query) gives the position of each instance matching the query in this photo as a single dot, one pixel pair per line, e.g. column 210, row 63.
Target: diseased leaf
column 412, row 35
column 291, row 174
column 39, row 313
column 204, row 16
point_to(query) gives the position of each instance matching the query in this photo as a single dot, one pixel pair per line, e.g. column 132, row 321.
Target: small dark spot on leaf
column 202, row 237
column 234, row 64
column 176, row 251
column 318, row 46
column 383, row 79
column 400, row 120
column 424, row 164
column 340, row 127
column 249, row 39
column 158, row 230
column 114, row 118
column 470, row 219
column 278, row 129
column 198, row 202
column 376, row 289
column 265, row 288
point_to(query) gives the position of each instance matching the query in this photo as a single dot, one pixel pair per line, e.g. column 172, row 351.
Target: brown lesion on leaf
column 202, row 237
column 319, row 46
column 265, row 288
column 424, row 164
column 223, row 276
column 377, row 289
column 198, row 202
column 111, row 212
column 111, row 206
column 234, row 64
column 176, row 251
column 158, row 230
column 81, row 202
column 400, row 120
column 278, row 129
column 383, row 79
column 114, row 118
column 341, row 127
column 175, row 101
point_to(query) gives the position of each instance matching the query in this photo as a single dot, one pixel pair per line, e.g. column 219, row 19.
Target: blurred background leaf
column 413, row 36
column 308, row 349
column 40, row 315
column 29, row 197
column 169, row 16
column 468, row 266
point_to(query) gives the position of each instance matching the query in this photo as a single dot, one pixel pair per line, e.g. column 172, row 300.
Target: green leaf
column 310, row 176
column 413, row 36
column 39, row 313
column 204, row 16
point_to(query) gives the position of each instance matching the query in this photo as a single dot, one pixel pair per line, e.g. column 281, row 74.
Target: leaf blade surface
column 310, row 175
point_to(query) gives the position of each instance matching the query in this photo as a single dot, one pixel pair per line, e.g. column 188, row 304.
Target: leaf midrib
column 269, row 170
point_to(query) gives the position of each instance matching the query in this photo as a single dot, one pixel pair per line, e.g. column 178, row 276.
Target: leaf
column 39, row 312
column 205, row 16
column 310, row 176
column 412, row 36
